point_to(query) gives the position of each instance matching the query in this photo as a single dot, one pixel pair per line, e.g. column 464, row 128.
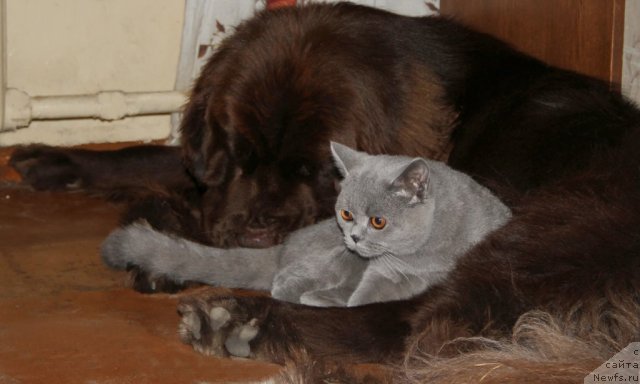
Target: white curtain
column 207, row 22
column 402, row 7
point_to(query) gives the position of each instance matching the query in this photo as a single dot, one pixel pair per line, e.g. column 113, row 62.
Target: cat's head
column 384, row 205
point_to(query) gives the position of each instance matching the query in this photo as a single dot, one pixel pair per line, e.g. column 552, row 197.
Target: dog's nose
column 355, row 238
column 258, row 238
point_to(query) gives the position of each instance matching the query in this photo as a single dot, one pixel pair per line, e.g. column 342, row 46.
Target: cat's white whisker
column 399, row 260
column 385, row 263
column 394, row 264
column 409, row 266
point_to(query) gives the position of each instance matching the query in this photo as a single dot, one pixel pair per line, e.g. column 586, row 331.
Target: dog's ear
column 193, row 128
column 204, row 141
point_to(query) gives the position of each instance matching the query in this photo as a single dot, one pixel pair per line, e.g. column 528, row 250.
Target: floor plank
column 66, row 318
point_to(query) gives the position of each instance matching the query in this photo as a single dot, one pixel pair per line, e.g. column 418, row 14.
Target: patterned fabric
column 272, row 4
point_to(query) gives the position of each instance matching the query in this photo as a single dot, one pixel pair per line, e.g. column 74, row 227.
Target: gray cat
column 401, row 225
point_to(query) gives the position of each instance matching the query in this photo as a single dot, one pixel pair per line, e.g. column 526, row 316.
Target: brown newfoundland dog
column 555, row 291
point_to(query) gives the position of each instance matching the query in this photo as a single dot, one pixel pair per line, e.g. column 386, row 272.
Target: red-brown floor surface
column 66, row 318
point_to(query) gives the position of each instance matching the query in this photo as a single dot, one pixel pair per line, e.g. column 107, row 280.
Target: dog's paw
column 144, row 282
column 47, row 168
column 223, row 326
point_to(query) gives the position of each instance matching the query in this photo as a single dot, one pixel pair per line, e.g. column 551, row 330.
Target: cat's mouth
column 353, row 247
column 368, row 257
column 361, row 251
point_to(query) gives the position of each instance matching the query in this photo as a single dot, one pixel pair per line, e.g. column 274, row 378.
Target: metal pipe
column 21, row 108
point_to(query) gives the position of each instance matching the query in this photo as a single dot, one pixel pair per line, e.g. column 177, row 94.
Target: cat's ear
column 413, row 181
column 345, row 158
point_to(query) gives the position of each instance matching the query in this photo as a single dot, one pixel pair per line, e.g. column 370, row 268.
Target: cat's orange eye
column 346, row 215
column 378, row 222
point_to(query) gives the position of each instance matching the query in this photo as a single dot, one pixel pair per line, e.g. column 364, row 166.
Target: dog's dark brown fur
column 559, row 148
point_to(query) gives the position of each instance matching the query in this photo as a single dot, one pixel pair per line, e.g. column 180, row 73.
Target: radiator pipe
column 21, row 108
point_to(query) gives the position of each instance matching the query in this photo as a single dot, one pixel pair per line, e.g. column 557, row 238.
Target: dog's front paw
column 47, row 168
column 224, row 326
column 144, row 282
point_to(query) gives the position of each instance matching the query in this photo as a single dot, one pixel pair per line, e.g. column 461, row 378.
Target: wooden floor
column 66, row 318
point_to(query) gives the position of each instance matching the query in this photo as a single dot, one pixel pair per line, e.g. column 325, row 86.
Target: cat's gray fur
column 433, row 214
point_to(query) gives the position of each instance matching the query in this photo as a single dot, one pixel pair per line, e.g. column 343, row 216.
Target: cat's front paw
column 138, row 248
column 133, row 245
column 224, row 325
column 47, row 168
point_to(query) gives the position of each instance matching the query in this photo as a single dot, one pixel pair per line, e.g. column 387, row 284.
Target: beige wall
column 631, row 54
column 64, row 47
